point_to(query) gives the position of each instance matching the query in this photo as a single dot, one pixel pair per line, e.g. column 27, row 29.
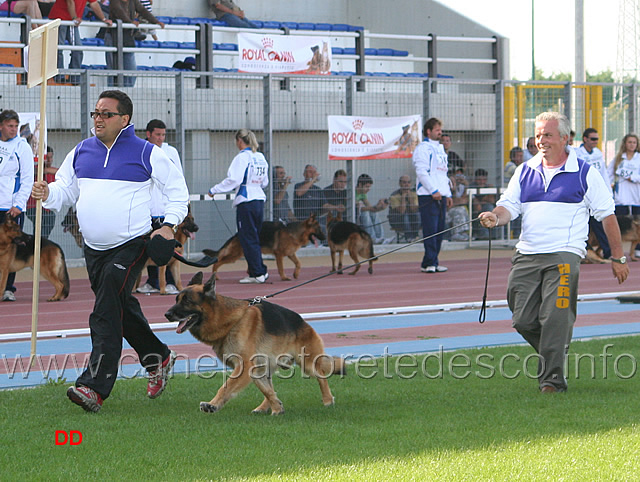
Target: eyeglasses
column 593, row 139
column 104, row 115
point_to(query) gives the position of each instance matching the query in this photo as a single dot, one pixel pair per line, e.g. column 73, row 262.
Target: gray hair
column 564, row 126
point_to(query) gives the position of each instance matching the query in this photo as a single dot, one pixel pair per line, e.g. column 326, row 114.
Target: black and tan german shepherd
column 253, row 340
column 16, row 253
column 345, row 235
column 275, row 238
column 629, row 231
column 186, row 230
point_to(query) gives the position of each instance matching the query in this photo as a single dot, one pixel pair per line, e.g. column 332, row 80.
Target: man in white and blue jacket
column 16, row 178
column 110, row 177
column 554, row 192
column 434, row 192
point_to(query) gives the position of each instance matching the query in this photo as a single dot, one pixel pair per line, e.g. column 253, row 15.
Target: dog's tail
column 210, row 252
column 63, row 274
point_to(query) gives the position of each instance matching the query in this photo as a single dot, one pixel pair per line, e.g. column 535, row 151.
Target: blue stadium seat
column 377, row 74
column 180, row 21
column 149, row 44
column 417, row 74
column 400, row 53
column 397, row 74
column 227, row 46
column 271, row 24
column 161, row 68
column 371, row 51
column 220, row 69
column 187, row 45
column 355, row 28
column 444, row 76
column 4, row 14
column 306, row 26
column 143, row 67
column 215, row 46
column 164, row 19
column 385, row 51
column 98, row 67
column 218, row 23
column 349, row 51
column 340, row 27
column 337, row 50
column 290, row 25
column 324, row 26
column 92, row 42
column 169, row 45
column 257, row 23
column 197, row 20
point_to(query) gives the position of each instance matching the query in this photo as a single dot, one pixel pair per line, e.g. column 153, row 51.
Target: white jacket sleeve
column 423, row 158
column 170, row 180
column 65, row 190
column 510, row 198
column 21, row 196
column 235, row 174
column 597, row 197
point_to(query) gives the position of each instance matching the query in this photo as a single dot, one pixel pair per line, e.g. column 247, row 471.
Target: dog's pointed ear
column 197, row 279
column 210, row 287
column 312, row 216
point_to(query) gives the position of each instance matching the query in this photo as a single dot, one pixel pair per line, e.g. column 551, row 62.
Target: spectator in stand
column 127, row 11
column 458, row 213
column 531, row 149
column 482, row 202
column 45, row 7
column 281, row 208
column 143, row 32
column 454, row 159
column 307, row 197
column 230, row 13
column 335, row 194
column 48, row 216
column 366, row 213
column 403, row 210
column 19, row 7
column 516, row 157
column 588, row 151
column 72, row 10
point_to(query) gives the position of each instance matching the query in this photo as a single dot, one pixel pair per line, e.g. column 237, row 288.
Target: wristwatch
column 173, row 227
column 622, row 260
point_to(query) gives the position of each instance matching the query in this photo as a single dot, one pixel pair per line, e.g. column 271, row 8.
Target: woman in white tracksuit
column 248, row 175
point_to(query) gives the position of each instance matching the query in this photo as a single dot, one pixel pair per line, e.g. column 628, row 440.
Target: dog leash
column 483, row 308
column 257, row 299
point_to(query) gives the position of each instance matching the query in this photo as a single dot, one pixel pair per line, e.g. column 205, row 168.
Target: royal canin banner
column 284, row 54
column 356, row 137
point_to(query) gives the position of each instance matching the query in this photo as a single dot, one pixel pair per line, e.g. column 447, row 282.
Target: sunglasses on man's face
column 104, row 115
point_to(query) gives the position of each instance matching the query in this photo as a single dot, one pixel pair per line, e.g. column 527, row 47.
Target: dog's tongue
column 192, row 235
column 183, row 323
column 315, row 242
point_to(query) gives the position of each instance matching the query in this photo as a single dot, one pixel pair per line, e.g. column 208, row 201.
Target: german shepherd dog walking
column 253, row 340
column 345, row 235
column 275, row 238
column 185, row 230
column 16, row 253
column 629, row 231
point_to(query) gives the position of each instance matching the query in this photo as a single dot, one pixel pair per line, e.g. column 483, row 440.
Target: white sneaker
column 147, row 288
column 257, row 279
column 8, row 296
column 171, row 289
column 434, row 269
column 388, row 240
column 637, row 253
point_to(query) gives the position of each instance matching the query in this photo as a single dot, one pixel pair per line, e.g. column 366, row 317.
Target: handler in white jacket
column 16, row 178
column 248, row 175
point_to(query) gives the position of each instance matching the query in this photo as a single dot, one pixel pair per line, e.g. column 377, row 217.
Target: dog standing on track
column 345, row 235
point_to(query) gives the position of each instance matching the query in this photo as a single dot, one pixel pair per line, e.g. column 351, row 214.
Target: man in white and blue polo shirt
column 554, row 192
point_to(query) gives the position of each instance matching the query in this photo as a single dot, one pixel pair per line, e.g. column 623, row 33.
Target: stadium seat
column 197, row 20
column 257, row 23
column 98, row 67
column 397, row 74
column 324, row 26
column 169, row 45
column 164, row 19
column 220, row 69
column 271, row 24
column 143, row 67
column 371, row 51
column 306, row 26
column 227, row 46
column 417, row 74
column 180, row 21
column 340, row 27
column 385, row 52
column 355, row 28
column 400, row 53
column 289, row 25
column 187, row 45
column 349, row 51
column 149, row 44
column 161, row 68
column 218, row 23
column 92, row 42
column 337, row 50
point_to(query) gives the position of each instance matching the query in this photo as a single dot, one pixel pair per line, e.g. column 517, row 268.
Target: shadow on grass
column 374, row 417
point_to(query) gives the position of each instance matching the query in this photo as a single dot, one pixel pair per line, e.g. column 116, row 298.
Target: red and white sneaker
column 87, row 398
column 158, row 378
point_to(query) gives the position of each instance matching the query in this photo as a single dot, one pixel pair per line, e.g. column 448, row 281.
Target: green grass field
column 483, row 426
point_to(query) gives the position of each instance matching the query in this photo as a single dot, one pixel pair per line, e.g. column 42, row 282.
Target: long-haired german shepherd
column 16, row 253
column 185, row 230
column 275, row 238
column 253, row 340
column 345, row 235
